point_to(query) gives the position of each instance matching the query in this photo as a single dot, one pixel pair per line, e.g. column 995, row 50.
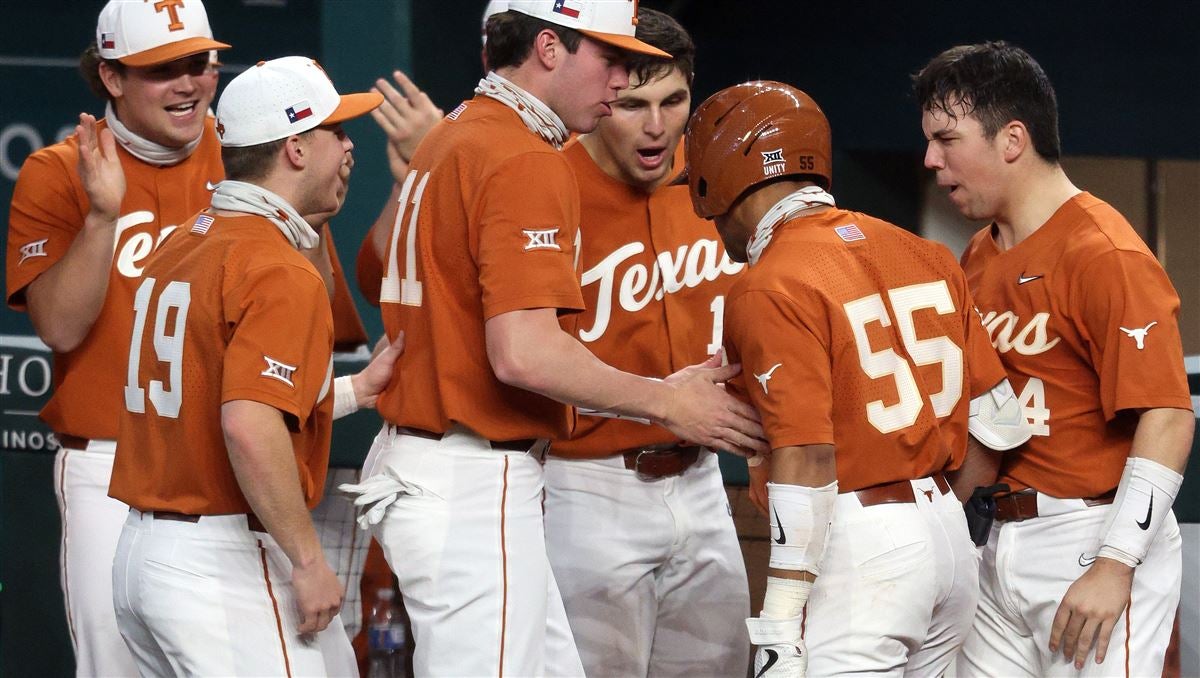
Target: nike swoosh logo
column 782, row 537
column 1145, row 524
column 772, row 657
column 1086, row 562
column 210, row 186
column 1022, row 279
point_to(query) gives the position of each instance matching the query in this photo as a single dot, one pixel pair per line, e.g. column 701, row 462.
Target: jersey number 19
column 168, row 347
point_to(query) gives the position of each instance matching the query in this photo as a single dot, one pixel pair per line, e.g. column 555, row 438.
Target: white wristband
column 344, row 400
column 800, row 520
column 1143, row 503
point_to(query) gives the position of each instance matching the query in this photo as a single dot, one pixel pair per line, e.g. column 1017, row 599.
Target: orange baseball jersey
column 488, row 221
column 855, row 333
column 1086, row 324
column 47, row 212
column 654, row 282
column 227, row 310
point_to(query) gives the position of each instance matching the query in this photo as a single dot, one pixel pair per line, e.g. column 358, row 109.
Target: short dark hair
column 252, row 163
column 89, row 68
column 664, row 32
column 997, row 83
column 510, row 38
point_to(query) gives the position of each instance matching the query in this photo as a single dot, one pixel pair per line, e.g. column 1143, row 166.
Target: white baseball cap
column 278, row 98
column 141, row 33
column 613, row 22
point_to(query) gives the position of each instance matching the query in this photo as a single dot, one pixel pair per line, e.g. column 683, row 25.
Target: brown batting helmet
column 750, row 133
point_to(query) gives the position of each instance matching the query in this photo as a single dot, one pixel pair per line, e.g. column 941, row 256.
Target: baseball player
column 224, row 441
column 862, row 353
column 75, row 270
column 478, row 268
column 1085, row 551
column 638, row 526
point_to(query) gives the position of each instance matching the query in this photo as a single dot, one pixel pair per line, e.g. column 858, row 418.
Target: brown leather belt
column 252, row 520
column 1023, row 505
column 521, row 445
column 653, row 464
column 72, row 442
column 899, row 492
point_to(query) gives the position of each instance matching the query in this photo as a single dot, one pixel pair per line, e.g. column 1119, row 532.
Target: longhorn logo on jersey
column 1031, row 340
column 544, row 239
column 673, row 270
column 765, row 377
column 277, row 370
column 37, row 248
column 1139, row 335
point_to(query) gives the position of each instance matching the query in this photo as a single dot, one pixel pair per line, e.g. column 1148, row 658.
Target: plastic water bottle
column 386, row 637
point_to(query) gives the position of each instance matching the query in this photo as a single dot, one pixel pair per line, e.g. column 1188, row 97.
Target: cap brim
column 626, row 42
column 172, row 51
column 354, row 105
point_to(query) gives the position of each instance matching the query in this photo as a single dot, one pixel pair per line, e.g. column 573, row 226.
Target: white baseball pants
column 897, row 590
column 651, row 572
column 470, row 554
column 1027, row 568
column 91, row 525
column 212, row 598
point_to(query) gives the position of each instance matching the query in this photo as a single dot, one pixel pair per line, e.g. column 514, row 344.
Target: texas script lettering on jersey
column 131, row 255
column 1031, row 340
column 685, row 267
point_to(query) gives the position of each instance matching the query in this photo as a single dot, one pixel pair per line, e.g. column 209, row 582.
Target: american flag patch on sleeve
column 850, row 233
column 203, row 223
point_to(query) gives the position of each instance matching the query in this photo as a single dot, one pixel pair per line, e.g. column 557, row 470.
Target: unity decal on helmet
column 773, row 162
column 1139, row 335
column 37, row 248
column 277, row 370
column 544, row 239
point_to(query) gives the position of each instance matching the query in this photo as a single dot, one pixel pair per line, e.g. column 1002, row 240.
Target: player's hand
column 759, row 467
column 780, row 651
column 319, row 595
column 1090, row 610
column 100, row 169
column 373, row 378
column 405, row 117
column 702, row 412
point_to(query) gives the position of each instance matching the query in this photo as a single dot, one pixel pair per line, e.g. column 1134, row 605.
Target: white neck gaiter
column 239, row 196
column 143, row 149
column 791, row 204
column 536, row 115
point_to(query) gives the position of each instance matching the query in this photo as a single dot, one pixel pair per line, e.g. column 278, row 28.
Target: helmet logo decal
column 773, row 162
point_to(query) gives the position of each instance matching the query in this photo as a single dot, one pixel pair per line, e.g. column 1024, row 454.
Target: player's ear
column 1015, row 139
column 113, row 81
column 295, row 150
column 547, row 48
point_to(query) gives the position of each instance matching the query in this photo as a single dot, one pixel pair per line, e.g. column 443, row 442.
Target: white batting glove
column 781, row 652
column 376, row 494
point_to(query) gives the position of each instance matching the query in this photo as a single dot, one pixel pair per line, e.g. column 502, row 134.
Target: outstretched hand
column 373, row 378
column 100, row 169
column 702, row 412
column 405, row 117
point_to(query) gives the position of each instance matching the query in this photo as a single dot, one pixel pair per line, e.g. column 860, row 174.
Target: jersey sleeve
column 1130, row 318
column 44, row 217
column 282, row 339
column 526, row 240
column 786, row 370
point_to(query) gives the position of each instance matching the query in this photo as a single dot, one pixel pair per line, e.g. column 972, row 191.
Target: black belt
column 519, row 445
column 652, row 464
column 252, row 520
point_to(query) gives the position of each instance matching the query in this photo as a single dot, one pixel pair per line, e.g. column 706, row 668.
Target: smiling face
column 585, row 84
column 967, row 163
column 637, row 144
column 166, row 104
